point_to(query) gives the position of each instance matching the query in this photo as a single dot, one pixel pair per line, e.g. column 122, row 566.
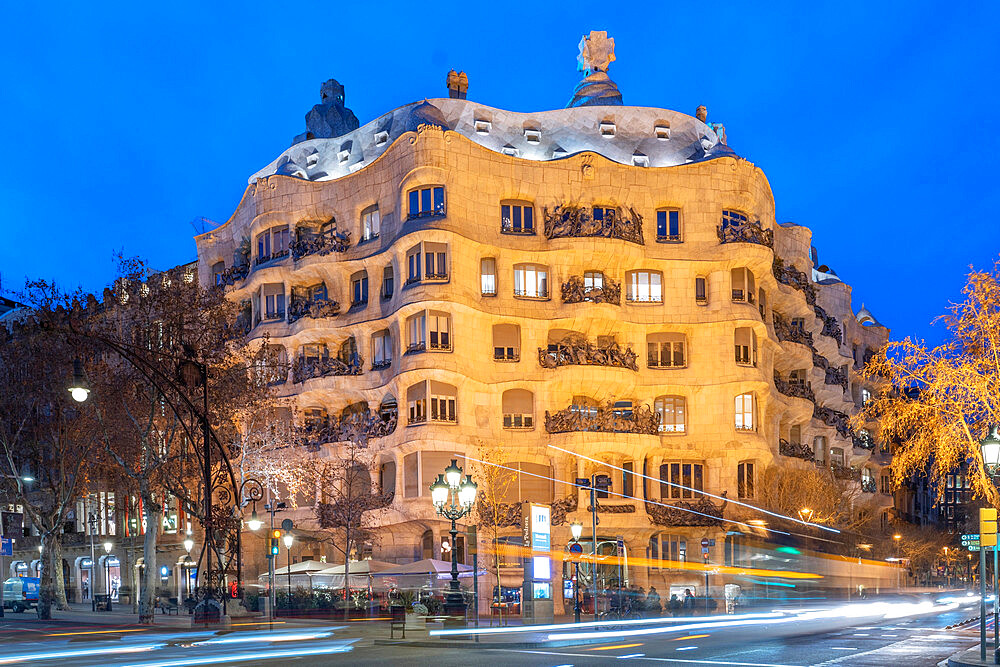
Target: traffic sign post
column 987, row 538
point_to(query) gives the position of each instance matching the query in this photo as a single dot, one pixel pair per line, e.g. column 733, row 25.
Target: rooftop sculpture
column 597, row 52
column 329, row 118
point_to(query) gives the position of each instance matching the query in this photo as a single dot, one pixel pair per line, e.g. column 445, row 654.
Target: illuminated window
column 681, row 480
column 745, row 481
column 531, row 281
column 644, row 287
column 666, row 350
column 671, row 413
column 381, row 349
column 488, row 276
column 745, row 412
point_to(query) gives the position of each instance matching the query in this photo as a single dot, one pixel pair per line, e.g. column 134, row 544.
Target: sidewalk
column 970, row 657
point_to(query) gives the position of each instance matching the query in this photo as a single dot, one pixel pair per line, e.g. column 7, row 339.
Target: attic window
column 357, row 165
column 483, row 126
column 533, row 136
column 662, row 131
column 640, row 160
column 559, row 151
column 607, row 129
column 381, row 138
column 312, row 159
column 510, row 150
column 343, row 155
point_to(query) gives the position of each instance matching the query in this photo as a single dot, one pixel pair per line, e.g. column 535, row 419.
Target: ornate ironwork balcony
column 574, row 291
column 863, row 441
column 234, row 274
column 747, row 232
column 579, row 222
column 795, row 389
column 702, row 512
column 267, row 259
column 795, row 450
column 834, row 418
column 784, row 330
column 612, row 509
column 359, row 427
column 588, row 354
column 832, row 374
column 831, row 327
column 320, row 244
column 789, row 275
column 314, row 309
column 845, row 472
column 869, row 486
column 303, row 370
column 639, row 419
column 379, row 365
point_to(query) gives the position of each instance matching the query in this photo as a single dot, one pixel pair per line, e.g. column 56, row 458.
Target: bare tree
column 494, row 512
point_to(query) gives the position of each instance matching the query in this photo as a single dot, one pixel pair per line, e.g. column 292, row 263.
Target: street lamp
column 453, row 500
column 806, row 514
column 79, row 389
column 254, row 523
column 107, row 567
column 576, row 530
column 899, row 560
column 989, row 447
column 288, row 540
column 188, row 546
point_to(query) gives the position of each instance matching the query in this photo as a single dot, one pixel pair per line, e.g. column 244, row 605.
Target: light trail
column 270, row 637
column 594, row 624
column 612, row 648
column 255, row 656
column 78, row 653
column 704, row 493
column 93, row 632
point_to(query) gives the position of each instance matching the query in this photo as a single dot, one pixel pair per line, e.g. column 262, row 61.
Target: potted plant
column 417, row 619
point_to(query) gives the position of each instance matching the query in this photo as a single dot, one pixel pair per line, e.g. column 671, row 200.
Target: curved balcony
column 233, row 275
column 834, row 418
column 608, row 419
column 789, row 275
column 303, row 370
column 681, row 513
column 747, row 232
column 582, row 222
column 845, row 472
column 832, row 374
column 574, row 291
column 319, row 244
column 588, row 354
column 784, row 330
column 795, row 450
column 313, row 309
column 359, row 428
column 831, row 327
column 795, row 389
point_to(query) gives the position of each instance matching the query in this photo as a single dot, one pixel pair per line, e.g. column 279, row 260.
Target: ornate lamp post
column 107, row 567
column 289, row 540
column 576, row 529
column 454, row 499
column 188, row 545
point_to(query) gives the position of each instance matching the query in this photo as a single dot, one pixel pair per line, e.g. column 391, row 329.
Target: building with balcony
column 596, row 290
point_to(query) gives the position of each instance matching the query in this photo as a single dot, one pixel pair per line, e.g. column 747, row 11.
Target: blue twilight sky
column 876, row 123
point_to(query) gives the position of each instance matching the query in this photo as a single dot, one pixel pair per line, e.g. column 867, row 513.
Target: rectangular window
column 743, row 285
column 517, row 219
column 592, row 280
column 279, row 241
column 426, row 202
column 263, row 247
column 645, row 287
column 628, row 478
column 700, row 291
column 670, row 412
column 387, row 282
column 273, row 301
column 413, row 265
column 371, row 224
column 488, row 276
column 443, row 408
column 603, row 212
column 668, row 226
column 415, row 328
column 746, row 346
column 381, row 349
column 744, row 412
column 745, row 481
column 681, row 480
column 435, row 258
column 674, row 548
column 359, row 289
column 531, row 281
column 663, row 351
column 437, row 331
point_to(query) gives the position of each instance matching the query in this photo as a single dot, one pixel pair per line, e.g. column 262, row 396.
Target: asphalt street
column 779, row 642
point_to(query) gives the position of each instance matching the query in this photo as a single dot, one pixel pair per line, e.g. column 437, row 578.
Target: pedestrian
column 653, row 602
column 674, row 605
column 689, row 602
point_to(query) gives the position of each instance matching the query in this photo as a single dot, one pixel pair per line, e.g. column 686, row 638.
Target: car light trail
column 254, row 656
column 78, row 653
column 611, row 648
column 94, row 632
column 269, row 637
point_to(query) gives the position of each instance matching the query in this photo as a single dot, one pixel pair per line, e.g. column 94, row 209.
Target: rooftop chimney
column 458, row 85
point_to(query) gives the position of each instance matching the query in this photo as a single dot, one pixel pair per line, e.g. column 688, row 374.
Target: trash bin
column 102, row 602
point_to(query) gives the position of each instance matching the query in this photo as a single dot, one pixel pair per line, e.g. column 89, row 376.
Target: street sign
column 974, row 547
column 6, row 546
column 583, row 482
column 621, row 546
column 287, row 525
column 971, row 536
column 576, row 548
column 12, row 525
column 704, row 543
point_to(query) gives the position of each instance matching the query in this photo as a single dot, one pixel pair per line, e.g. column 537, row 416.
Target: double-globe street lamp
column 453, row 499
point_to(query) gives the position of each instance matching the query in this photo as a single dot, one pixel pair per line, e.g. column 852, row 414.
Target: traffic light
column 987, row 527
column 273, row 542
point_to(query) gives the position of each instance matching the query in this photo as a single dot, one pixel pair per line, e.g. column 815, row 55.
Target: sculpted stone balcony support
column 303, row 370
column 834, row 418
column 574, row 291
column 784, row 330
column 795, row 450
column 358, row 428
column 639, row 419
column 580, row 222
column 794, row 389
column 749, row 232
column 315, row 309
column 681, row 513
column 789, row 275
column 833, row 375
column 588, row 354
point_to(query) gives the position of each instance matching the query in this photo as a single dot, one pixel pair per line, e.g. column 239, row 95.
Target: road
column 904, row 637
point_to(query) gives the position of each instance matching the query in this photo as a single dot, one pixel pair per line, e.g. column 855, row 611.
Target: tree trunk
column 53, row 559
column 347, row 567
column 47, row 586
column 150, row 574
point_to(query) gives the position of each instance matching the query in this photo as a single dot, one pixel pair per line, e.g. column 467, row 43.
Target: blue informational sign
column 6, row 546
column 541, row 531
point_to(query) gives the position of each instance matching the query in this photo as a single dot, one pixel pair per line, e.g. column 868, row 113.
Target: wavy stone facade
column 512, row 361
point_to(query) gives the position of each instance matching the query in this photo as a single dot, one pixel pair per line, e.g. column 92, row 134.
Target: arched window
column 371, row 223
column 672, row 413
column 359, row 288
column 745, row 410
column 430, row 399
column 518, row 409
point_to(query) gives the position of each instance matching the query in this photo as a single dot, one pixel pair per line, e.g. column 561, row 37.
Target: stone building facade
column 601, row 289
